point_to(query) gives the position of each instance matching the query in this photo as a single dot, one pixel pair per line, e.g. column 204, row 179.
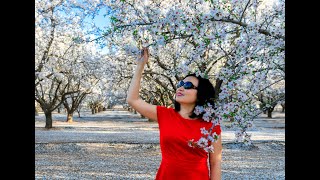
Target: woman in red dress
column 179, row 125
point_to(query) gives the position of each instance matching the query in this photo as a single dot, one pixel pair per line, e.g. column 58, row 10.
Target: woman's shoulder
column 164, row 112
column 163, row 109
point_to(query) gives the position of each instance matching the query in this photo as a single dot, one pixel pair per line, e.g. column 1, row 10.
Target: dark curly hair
column 205, row 94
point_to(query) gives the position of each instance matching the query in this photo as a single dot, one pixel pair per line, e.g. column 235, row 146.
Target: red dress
column 179, row 161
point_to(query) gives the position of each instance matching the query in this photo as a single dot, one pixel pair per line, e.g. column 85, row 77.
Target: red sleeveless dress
column 179, row 161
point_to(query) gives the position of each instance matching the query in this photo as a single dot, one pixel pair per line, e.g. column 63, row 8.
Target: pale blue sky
column 101, row 20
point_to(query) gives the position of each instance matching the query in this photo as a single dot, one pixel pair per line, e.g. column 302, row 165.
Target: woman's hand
column 144, row 55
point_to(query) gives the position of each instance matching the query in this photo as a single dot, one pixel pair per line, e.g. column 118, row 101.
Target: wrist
column 140, row 66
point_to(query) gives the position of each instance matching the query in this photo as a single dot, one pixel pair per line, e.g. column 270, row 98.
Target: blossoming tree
column 61, row 54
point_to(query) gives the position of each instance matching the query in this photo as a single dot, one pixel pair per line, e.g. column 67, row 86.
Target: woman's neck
column 186, row 110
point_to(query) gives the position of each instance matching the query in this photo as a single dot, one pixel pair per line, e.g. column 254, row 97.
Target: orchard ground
column 120, row 145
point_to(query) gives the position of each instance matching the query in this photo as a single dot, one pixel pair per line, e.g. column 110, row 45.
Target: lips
column 179, row 94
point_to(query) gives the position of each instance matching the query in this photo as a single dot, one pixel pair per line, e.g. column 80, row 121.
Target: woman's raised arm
column 133, row 98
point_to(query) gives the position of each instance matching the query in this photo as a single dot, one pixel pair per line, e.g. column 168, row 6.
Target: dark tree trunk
column 48, row 120
column 59, row 110
column 262, row 107
column 100, row 109
column 92, row 110
column 70, row 117
column 270, row 112
column 283, row 107
column 78, row 111
column 36, row 112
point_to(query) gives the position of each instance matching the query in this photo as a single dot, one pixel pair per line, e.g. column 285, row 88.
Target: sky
column 102, row 21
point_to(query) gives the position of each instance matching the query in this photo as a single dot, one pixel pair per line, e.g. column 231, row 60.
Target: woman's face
column 187, row 96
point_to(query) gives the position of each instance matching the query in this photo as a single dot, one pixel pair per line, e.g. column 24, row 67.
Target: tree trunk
column 48, row 120
column 70, row 117
column 92, row 110
column 36, row 112
column 59, row 110
column 270, row 113
column 283, row 106
column 100, row 108
column 264, row 110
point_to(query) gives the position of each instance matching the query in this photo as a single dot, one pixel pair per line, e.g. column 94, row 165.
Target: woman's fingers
column 146, row 52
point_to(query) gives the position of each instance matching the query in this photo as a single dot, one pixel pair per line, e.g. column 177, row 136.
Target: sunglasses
column 186, row 85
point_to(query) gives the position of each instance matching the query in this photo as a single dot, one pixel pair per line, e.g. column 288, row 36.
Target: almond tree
column 89, row 69
column 271, row 97
column 58, row 31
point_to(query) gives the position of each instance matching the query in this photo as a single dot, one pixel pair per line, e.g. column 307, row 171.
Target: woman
column 178, row 126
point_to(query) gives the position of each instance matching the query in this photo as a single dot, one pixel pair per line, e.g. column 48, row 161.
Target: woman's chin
column 181, row 100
